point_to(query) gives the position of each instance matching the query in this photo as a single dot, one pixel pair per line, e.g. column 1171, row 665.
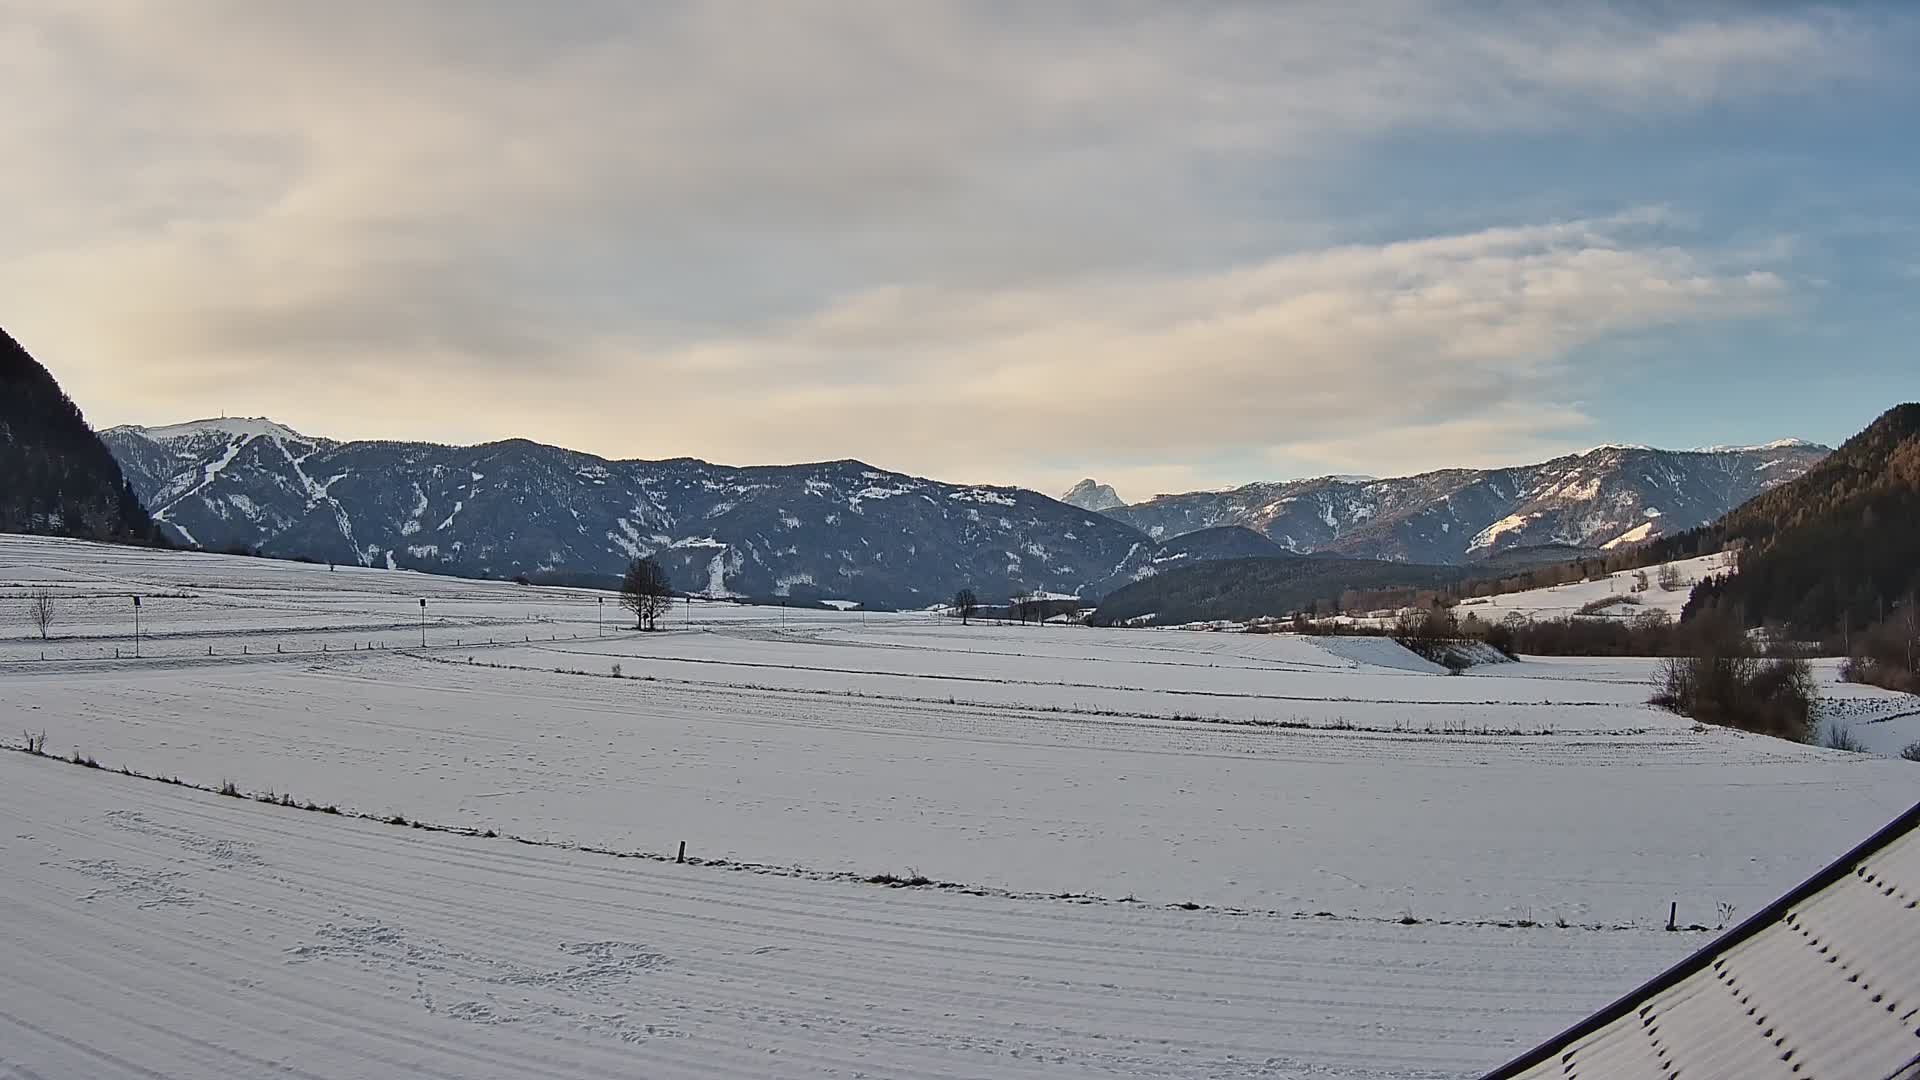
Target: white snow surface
column 1777, row 444
column 1306, row 795
column 160, row 932
column 1556, row 601
column 242, row 428
column 1490, row 535
column 1635, row 535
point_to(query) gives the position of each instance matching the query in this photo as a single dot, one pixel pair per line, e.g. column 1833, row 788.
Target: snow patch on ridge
column 1777, row 444
column 243, row 428
column 1491, row 535
column 783, row 586
column 1635, row 535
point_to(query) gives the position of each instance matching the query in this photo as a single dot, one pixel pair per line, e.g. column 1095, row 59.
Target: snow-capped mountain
column 846, row 530
column 1604, row 497
column 831, row 530
column 1089, row 495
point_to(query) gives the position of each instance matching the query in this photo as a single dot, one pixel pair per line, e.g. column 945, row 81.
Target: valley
column 1132, row 843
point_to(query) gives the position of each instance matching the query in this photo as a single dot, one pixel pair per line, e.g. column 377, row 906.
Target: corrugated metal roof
column 1822, row 985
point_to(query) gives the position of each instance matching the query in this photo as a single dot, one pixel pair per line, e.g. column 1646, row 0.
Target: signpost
column 423, row 622
column 136, row 628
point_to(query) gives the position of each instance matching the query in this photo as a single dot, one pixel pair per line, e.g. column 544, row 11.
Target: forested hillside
column 1837, row 548
column 56, row 476
column 1250, row 588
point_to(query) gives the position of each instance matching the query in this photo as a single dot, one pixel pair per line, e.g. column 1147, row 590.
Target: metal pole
column 136, row 628
column 423, row 622
column 600, row 627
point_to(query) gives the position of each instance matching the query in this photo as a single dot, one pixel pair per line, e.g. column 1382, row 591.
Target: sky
column 1170, row 246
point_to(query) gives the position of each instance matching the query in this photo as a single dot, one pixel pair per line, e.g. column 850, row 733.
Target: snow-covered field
column 1279, row 856
column 1559, row 601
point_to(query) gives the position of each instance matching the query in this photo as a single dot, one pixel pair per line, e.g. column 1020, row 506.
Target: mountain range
column 1606, row 497
column 848, row 530
column 830, row 530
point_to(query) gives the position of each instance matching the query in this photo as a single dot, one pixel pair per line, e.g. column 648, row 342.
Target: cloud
column 820, row 228
column 1446, row 347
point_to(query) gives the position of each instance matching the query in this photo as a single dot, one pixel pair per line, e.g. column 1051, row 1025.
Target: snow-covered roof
column 1823, row 983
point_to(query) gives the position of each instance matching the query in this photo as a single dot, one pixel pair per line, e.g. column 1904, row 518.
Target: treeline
column 1245, row 589
column 1652, row 633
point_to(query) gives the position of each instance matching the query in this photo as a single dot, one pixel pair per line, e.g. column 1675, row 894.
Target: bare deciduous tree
column 646, row 592
column 40, row 611
column 965, row 603
column 1910, row 625
column 1022, row 605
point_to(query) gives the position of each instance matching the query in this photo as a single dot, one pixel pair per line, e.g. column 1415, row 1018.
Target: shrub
column 1732, row 688
column 1872, row 672
column 1650, row 633
column 912, row 879
column 229, row 789
column 36, row 743
column 1595, row 607
column 1835, row 737
column 1429, row 633
column 1854, row 669
column 1887, row 654
column 1912, row 752
column 1502, row 636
